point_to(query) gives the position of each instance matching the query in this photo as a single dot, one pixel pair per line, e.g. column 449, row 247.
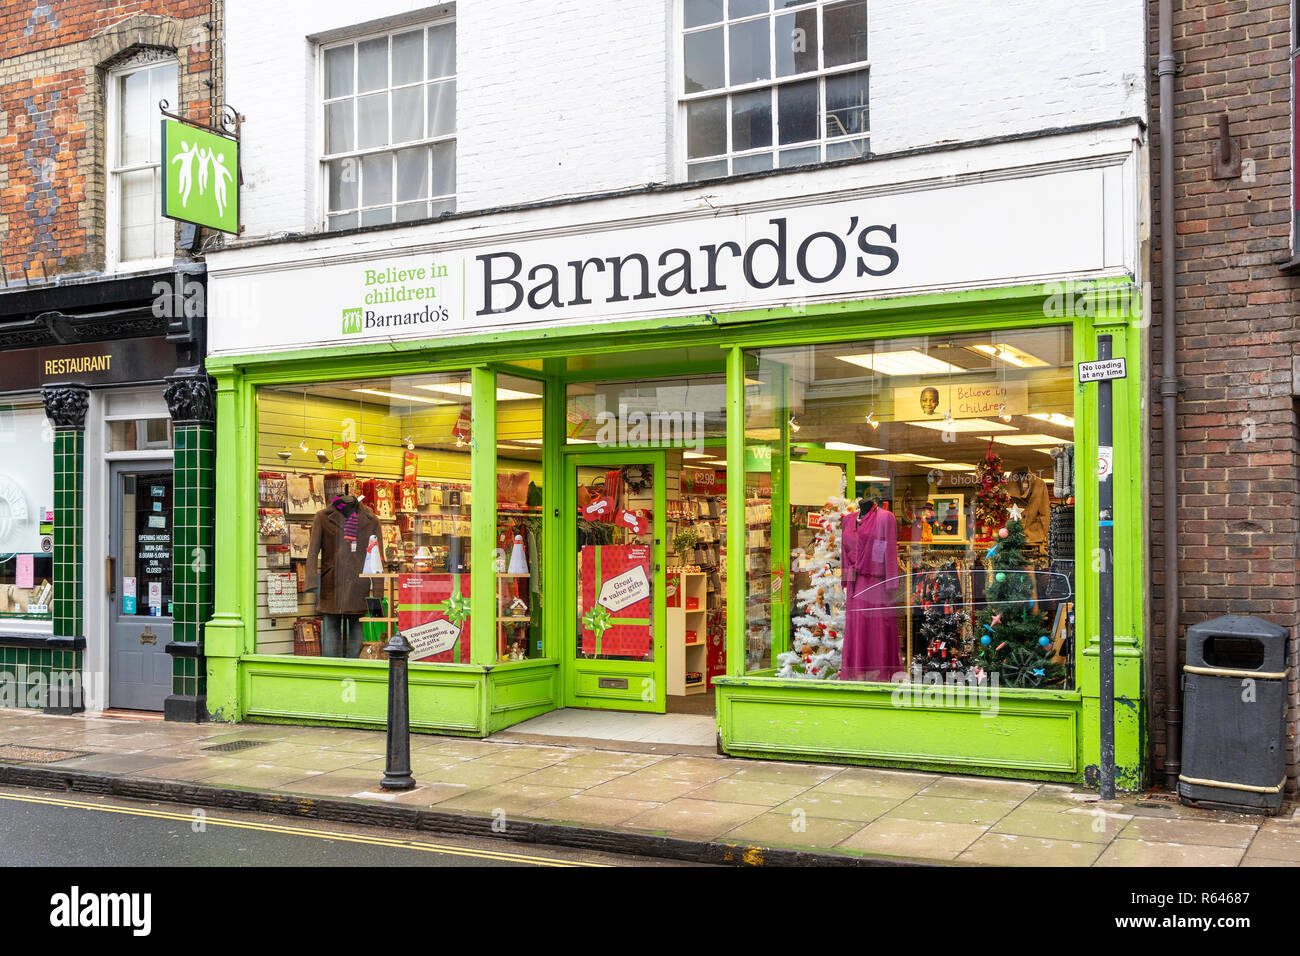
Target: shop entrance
column 615, row 641
column 139, row 576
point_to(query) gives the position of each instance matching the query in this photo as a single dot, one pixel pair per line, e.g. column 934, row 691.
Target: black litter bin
column 1234, row 729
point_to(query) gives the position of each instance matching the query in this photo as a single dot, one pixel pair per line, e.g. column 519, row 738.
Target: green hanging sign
column 200, row 177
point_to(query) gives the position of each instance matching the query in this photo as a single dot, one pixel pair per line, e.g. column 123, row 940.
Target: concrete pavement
column 693, row 807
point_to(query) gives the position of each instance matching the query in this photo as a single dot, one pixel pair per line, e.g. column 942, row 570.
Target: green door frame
column 644, row 683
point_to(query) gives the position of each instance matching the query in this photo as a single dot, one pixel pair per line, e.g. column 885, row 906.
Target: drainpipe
column 1165, row 69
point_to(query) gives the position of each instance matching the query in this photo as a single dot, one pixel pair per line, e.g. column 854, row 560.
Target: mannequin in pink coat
column 870, row 578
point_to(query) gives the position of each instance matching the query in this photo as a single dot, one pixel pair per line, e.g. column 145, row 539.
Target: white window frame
column 681, row 31
column 113, row 261
column 323, row 159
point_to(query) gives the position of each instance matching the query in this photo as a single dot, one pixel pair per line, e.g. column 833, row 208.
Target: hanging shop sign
column 933, row 399
column 730, row 259
column 200, row 176
column 94, row 363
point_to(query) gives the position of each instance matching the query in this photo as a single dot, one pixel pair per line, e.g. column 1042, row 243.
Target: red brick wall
column 52, row 104
column 1237, row 329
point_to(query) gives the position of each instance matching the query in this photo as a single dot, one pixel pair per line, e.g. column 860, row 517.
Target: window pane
column 372, row 64
column 745, row 8
column 706, row 127
column 164, row 239
column 338, row 71
column 751, row 120
column 796, row 43
column 343, row 183
column 966, row 611
column 752, row 163
column 442, row 50
column 699, row 12
column 444, row 169
column 346, row 221
column 749, row 53
column 846, row 104
column 703, row 60
column 412, row 174
column 408, row 57
column 848, row 149
column 376, row 179
column 445, row 206
column 136, row 212
column 338, row 127
column 846, row 32
column 372, row 120
column 412, row 210
column 377, row 217
column 162, row 86
column 134, row 131
column 408, row 114
column 707, row 170
column 799, row 157
column 797, row 111
column 442, row 108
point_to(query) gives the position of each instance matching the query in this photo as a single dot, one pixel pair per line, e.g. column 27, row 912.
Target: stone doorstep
column 395, row 816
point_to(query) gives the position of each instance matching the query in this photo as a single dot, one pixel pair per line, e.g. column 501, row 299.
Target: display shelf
column 686, row 654
column 512, row 628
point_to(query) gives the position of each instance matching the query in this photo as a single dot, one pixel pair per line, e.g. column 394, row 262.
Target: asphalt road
column 43, row 828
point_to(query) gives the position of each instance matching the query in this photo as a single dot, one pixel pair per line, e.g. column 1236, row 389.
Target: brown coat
column 1031, row 496
column 341, row 589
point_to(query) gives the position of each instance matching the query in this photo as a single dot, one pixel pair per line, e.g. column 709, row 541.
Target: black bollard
column 397, row 765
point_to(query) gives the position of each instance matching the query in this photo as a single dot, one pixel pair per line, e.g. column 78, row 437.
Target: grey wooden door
column 140, row 583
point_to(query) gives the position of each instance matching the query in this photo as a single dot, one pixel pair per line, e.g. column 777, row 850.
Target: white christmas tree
column 819, row 629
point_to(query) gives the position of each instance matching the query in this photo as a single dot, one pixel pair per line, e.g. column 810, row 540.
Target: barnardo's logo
column 352, row 321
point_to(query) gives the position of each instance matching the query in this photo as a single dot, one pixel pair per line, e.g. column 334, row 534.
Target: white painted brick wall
column 952, row 70
column 569, row 97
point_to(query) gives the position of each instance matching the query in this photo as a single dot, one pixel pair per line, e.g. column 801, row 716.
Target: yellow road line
column 299, row 831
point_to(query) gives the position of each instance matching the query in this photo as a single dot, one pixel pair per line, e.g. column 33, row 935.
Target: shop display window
column 26, row 516
column 910, row 510
column 363, row 517
column 517, row 558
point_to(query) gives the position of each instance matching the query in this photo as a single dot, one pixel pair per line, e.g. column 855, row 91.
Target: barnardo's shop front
column 804, row 451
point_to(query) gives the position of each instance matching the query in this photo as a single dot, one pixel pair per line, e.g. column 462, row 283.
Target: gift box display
column 425, row 599
column 615, row 604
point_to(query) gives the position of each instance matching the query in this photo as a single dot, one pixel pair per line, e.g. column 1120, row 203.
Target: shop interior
column 953, row 437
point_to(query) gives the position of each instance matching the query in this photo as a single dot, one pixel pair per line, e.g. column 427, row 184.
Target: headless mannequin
column 341, row 633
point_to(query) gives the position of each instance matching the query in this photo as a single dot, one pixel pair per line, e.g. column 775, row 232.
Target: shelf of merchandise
column 688, row 655
column 509, row 587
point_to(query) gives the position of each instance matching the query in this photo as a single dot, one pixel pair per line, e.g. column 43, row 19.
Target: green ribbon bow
column 598, row 620
column 456, row 608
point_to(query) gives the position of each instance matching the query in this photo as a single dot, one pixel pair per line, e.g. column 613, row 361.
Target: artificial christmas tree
column 991, row 497
column 1013, row 640
column 939, row 592
column 815, row 648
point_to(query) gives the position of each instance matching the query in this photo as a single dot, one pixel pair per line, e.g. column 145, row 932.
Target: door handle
column 148, row 637
column 110, row 574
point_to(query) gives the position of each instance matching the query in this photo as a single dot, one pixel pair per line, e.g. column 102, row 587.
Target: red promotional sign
column 616, row 604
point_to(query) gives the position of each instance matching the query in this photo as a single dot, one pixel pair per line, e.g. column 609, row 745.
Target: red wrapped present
column 615, row 604
column 433, row 614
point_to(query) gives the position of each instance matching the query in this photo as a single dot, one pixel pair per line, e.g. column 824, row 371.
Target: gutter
column 1166, row 67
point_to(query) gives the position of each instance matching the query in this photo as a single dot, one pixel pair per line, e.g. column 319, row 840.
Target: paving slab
column 1009, row 849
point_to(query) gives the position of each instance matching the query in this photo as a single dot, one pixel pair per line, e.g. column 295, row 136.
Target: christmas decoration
column 938, row 592
column 1015, row 513
column 1002, row 532
column 819, row 630
column 1016, row 653
column 991, row 496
